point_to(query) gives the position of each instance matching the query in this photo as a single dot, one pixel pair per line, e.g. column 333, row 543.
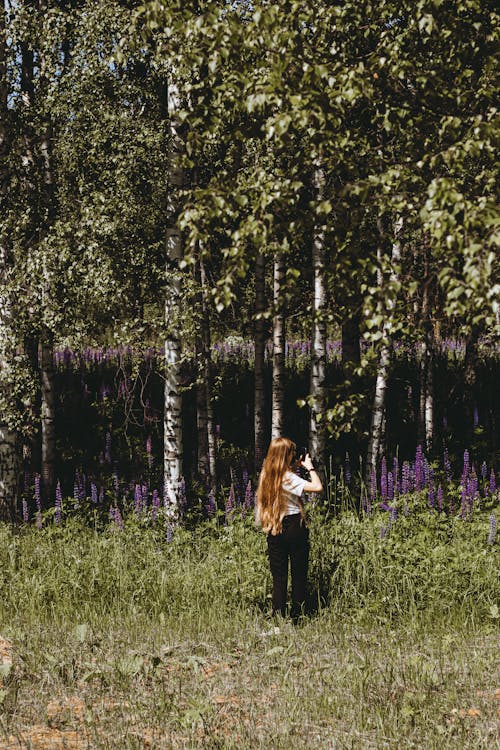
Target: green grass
column 171, row 645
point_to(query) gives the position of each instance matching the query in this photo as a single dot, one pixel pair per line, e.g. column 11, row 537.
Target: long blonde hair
column 271, row 502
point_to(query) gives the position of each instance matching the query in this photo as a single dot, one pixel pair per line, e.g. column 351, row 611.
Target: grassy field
column 120, row 640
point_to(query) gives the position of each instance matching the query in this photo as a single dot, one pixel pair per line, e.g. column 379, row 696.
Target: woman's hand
column 307, row 462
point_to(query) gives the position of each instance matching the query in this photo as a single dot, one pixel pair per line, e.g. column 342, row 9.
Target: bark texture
column 317, row 432
column 375, row 442
column 172, row 417
column 260, row 344
column 279, row 341
column 48, row 415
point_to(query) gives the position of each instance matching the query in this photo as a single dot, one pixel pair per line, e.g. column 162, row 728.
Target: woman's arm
column 315, row 484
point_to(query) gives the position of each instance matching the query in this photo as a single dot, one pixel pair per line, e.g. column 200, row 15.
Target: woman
column 280, row 512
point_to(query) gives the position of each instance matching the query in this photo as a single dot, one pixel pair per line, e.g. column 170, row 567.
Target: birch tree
column 279, row 341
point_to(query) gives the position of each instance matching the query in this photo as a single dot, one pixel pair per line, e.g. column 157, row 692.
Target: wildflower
column 249, row 498
column 390, row 486
column 373, row 483
column 26, row 515
column 484, row 470
column 107, row 450
column 419, row 468
column 181, row 495
column 116, row 483
column 431, row 496
column 155, row 505
column 93, row 493
column 138, row 500
column 57, row 516
column 493, row 484
column 405, row 479
column 440, row 498
column 383, row 479
column 466, row 467
column 395, row 472
column 149, row 450
column 493, row 529
column 169, row 533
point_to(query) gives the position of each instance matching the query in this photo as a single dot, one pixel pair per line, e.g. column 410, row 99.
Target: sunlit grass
column 121, row 640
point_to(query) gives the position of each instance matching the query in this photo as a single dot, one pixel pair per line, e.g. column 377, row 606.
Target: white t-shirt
column 293, row 488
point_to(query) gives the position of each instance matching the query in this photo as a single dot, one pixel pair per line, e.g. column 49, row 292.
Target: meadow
column 131, row 636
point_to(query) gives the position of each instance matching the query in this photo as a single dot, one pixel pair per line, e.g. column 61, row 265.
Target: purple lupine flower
column 249, row 498
column 347, row 469
column 373, row 483
column 182, row 498
column 230, row 503
column 244, row 478
column 447, row 466
column 93, row 493
column 118, row 518
column 431, row 496
column 58, row 512
column 395, row 473
column 107, row 450
column 37, row 492
column 390, row 486
column 463, row 499
column 82, row 490
column 170, row 533
column 440, row 498
column 466, row 467
column 138, row 500
column 383, row 479
column 145, row 495
column 419, row 468
column 76, row 490
column 493, row 483
column 405, row 479
column 116, row 483
column 493, row 529
column 484, row 470
column 155, row 505
column 149, row 450
column 26, row 515
column 383, row 531
column 210, row 506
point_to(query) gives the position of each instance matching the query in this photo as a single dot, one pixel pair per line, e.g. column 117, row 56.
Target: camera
column 301, row 453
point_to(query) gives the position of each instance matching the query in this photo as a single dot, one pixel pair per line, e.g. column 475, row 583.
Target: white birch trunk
column 317, row 431
column 48, row 418
column 172, row 416
column 278, row 390
column 208, row 376
column 385, row 357
column 260, row 343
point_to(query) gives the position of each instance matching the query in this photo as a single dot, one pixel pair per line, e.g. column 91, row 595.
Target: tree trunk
column 9, row 461
column 172, row 418
column 426, row 366
column 205, row 420
column 351, row 352
column 208, row 375
column 278, row 389
column 375, row 442
column 48, row 401
column 260, row 343
column 9, row 458
column 317, row 431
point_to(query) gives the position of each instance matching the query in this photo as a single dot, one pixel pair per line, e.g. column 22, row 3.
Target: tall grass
column 130, row 641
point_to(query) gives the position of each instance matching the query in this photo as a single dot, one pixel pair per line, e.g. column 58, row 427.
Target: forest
column 224, row 221
column 259, row 219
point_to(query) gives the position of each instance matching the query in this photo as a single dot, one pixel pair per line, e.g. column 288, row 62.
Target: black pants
column 293, row 543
